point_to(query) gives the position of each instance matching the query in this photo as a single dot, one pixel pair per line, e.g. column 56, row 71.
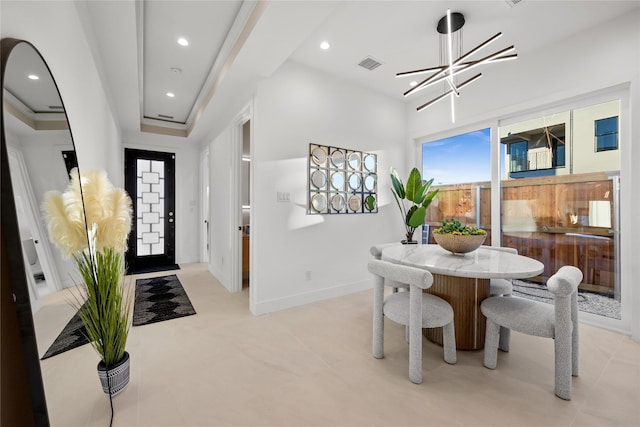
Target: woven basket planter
column 459, row 244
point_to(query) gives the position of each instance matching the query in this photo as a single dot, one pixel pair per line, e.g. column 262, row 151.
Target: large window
column 461, row 168
column 558, row 197
column 568, row 214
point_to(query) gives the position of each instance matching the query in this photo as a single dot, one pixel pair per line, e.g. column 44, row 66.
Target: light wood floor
column 312, row 366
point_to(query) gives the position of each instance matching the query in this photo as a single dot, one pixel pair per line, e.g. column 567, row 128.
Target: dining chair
column 502, row 287
column 376, row 251
column 558, row 321
column 414, row 309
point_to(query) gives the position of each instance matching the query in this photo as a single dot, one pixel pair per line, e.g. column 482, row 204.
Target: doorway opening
column 245, row 201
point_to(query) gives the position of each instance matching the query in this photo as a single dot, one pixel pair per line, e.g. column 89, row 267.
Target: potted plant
column 458, row 238
column 417, row 193
column 90, row 222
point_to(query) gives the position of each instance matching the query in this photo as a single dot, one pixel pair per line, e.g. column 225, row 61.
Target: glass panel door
column 150, row 177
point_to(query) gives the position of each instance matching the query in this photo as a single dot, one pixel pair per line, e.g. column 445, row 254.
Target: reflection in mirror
column 37, row 134
column 319, row 156
column 319, row 202
column 370, row 182
column 354, row 161
column 37, row 138
column 337, row 202
column 370, row 162
column 354, row 181
column 370, row 202
column 355, row 203
column 337, row 180
column 318, row 178
column 337, row 158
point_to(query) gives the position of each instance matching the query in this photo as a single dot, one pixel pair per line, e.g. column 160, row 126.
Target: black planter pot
column 117, row 375
column 411, row 242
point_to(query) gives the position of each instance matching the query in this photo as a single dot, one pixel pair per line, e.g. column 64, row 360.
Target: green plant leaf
column 417, row 216
column 430, row 197
column 398, row 187
column 410, row 212
column 414, row 185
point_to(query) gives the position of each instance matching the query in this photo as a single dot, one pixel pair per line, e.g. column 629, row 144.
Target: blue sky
column 458, row 159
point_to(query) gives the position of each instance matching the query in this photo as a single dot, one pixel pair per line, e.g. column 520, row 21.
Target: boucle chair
column 376, row 251
column 559, row 322
column 414, row 309
column 502, row 287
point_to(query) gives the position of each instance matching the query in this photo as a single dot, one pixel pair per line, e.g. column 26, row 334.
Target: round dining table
column 463, row 281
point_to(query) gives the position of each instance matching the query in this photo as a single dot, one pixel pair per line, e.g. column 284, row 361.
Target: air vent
column 164, row 116
column 56, row 107
column 369, row 63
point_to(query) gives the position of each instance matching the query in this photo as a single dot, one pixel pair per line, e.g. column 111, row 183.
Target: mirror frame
column 21, row 354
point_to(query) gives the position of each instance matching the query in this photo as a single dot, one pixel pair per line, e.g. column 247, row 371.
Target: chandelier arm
column 477, row 48
column 447, row 93
column 433, row 79
column 422, row 71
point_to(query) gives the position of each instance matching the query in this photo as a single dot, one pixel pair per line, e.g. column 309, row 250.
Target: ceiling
column 234, row 44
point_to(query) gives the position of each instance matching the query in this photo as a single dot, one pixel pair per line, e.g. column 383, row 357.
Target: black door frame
column 168, row 258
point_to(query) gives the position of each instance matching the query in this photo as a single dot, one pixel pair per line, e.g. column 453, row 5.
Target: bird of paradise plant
column 417, row 192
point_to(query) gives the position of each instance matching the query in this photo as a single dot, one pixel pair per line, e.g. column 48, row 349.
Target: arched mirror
column 37, row 154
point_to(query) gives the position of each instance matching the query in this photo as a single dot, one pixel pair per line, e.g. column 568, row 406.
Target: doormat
column 142, row 270
column 160, row 298
column 157, row 299
column 72, row 336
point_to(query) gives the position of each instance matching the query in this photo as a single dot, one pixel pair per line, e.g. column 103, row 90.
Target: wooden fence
column 559, row 220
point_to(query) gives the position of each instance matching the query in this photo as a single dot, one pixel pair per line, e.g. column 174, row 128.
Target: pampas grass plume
column 89, row 199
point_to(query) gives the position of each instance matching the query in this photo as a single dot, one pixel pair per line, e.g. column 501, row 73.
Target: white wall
column 586, row 63
column 293, row 108
column 55, row 30
column 221, row 187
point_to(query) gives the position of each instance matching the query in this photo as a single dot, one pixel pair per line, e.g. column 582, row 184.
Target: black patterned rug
column 72, row 336
column 160, row 298
column 157, row 299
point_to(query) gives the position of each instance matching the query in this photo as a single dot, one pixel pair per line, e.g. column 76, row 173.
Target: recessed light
column 33, row 77
column 325, row 45
column 413, row 83
column 183, row 42
column 171, row 94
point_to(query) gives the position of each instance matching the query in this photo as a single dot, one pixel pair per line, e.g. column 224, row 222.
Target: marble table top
column 482, row 263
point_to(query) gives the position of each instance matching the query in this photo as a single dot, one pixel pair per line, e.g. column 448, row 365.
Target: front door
column 150, row 182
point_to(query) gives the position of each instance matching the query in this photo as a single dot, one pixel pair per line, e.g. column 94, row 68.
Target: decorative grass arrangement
column 90, row 222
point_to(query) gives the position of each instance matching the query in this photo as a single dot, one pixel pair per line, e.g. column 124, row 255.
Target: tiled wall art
column 341, row 181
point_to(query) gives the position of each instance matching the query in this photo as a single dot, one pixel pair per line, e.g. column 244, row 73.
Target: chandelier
column 450, row 28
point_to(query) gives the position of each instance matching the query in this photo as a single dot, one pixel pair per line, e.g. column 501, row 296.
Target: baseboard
column 277, row 304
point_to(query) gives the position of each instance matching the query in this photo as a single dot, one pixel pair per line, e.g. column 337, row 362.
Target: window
column 607, row 134
column 518, row 156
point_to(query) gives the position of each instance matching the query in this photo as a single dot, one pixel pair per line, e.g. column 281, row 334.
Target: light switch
column 283, row 197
